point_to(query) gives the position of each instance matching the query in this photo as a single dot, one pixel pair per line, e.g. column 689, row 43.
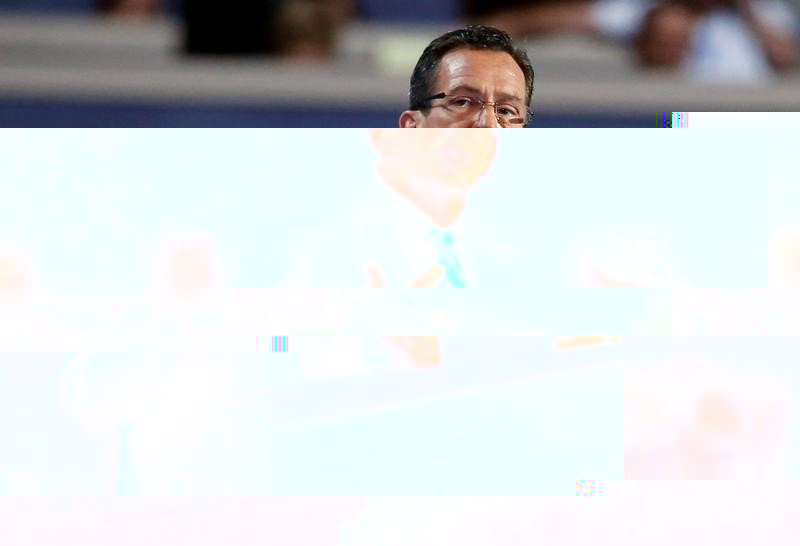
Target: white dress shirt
column 397, row 235
column 383, row 231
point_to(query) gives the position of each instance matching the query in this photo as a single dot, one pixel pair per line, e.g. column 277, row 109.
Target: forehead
column 491, row 72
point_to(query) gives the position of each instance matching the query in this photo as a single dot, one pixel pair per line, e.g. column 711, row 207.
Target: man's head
column 464, row 69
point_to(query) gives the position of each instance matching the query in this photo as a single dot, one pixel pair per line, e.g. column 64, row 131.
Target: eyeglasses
column 466, row 108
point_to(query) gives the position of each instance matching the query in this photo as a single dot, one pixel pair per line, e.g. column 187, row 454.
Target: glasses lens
column 468, row 108
column 464, row 107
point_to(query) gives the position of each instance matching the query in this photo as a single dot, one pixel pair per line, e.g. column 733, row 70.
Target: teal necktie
column 444, row 244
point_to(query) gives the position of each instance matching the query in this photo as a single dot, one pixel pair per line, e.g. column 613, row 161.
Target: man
column 398, row 223
column 409, row 232
column 471, row 77
column 448, row 166
column 430, row 177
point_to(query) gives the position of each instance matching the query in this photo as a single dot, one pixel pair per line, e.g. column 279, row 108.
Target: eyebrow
column 498, row 96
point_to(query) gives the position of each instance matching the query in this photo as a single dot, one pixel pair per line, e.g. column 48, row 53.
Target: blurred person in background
column 690, row 419
column 306, row 29
column 471, row 77
column 743, row 38
column 295, row 29
column 710, row 40
column 177, row 411
column 132, row 9
column 524, row 17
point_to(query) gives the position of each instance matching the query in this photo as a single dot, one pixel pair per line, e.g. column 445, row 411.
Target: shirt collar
column 406, row 216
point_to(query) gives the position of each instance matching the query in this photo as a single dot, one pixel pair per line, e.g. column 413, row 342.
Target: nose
column 486, row 117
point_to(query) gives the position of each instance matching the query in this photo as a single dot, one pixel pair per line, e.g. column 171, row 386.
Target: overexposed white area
column 632, row 513
column 661, row 513
column 168, row 238
column 122, row 213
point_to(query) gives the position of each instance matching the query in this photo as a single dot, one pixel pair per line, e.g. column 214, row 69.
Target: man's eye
column 507, row 112
column 461, row 102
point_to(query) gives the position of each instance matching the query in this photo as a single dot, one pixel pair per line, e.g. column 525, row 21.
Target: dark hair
column 473, row 37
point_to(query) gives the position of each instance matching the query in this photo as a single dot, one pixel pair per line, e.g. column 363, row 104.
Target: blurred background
column 346, row 63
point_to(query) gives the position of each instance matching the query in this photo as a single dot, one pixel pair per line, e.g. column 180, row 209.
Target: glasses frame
column 527, row 121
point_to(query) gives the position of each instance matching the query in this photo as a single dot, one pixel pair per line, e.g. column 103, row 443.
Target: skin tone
column 782, row 50
column 14, row 280
column 665, row 38
column 189, row 270
column 543, row 18
column 492, row 76
column 434, row 171
column 421, row 351
column 136, row 8
column 723, row 426
column 307, row 29
column 784, row 259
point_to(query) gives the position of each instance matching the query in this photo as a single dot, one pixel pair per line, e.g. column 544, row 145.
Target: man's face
column 492, row 76
column 453, row 157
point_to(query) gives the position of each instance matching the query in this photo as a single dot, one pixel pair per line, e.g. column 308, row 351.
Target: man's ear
column 410, row 119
